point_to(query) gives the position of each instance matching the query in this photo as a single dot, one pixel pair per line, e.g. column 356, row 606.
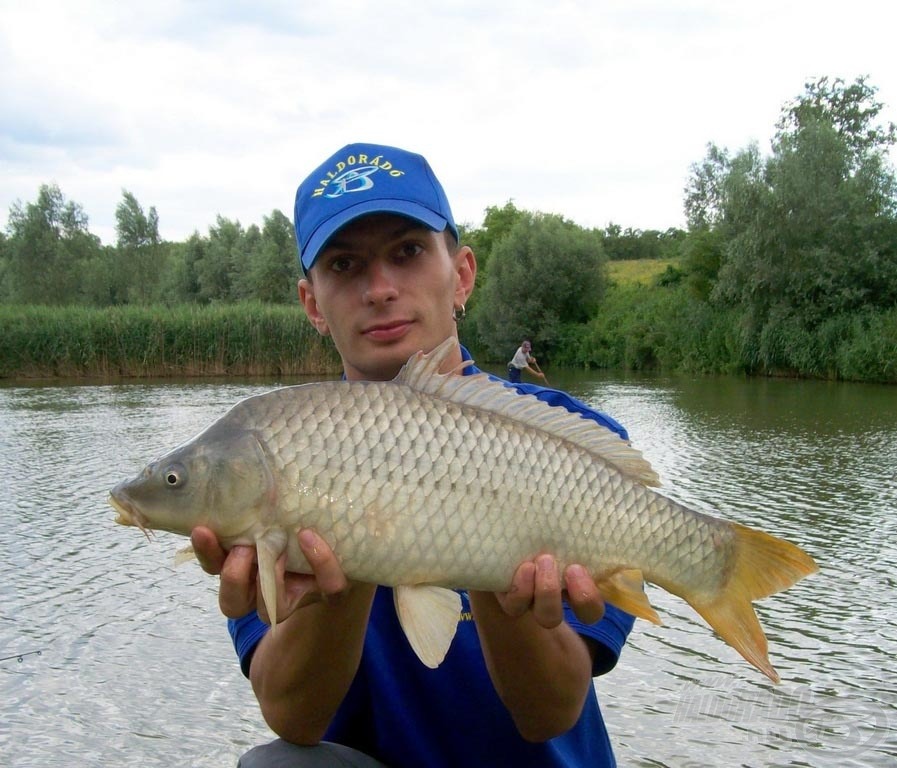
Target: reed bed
column 247, row 339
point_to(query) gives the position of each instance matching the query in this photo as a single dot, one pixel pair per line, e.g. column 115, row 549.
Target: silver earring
column 458, row 314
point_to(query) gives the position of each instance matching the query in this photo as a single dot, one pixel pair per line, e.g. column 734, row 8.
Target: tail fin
column 763, row 565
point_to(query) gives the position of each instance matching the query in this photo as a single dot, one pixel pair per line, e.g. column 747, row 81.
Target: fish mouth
column 128, row 514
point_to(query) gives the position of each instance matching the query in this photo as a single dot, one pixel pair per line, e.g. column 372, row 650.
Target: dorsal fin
column 422, row 373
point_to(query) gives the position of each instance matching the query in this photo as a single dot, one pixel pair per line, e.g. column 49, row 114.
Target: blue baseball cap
column 362, row 179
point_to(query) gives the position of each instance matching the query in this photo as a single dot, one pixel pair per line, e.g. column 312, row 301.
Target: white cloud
column 592, row 110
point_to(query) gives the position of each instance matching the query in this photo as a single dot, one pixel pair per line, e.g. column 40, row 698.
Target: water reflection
column 135, row 664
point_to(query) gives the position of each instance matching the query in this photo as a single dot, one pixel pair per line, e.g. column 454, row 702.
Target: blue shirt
column 404, row 714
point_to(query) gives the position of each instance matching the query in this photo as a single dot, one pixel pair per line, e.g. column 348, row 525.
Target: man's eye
column 340, row 264
column 409, row 251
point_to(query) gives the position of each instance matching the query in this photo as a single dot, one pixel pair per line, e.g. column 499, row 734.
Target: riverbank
column 649, row 323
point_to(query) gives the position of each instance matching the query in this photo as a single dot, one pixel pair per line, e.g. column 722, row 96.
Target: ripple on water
column 136, row 665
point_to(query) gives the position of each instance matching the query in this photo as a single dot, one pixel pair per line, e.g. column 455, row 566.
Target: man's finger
column 236, row 594
column 327, row 570
column 207, row 549
column 583, row 596
column 519, row 598
column 547, row 608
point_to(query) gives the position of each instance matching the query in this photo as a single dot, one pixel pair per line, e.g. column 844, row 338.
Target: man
column 386, row 277
column 523, row 360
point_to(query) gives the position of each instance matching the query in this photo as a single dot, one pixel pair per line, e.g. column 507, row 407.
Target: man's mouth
column 387, row 331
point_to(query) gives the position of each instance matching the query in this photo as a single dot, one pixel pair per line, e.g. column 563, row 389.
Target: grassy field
column 638, row 271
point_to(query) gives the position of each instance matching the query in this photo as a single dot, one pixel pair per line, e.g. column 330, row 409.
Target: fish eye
column 174, row 476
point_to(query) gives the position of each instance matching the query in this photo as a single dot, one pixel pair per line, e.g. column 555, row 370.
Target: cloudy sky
column 592, row 109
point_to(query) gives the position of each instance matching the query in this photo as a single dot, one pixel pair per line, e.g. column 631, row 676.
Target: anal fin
column 625, row 589
column 429, row 617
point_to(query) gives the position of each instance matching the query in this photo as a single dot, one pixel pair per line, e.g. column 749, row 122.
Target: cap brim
column 329, row 228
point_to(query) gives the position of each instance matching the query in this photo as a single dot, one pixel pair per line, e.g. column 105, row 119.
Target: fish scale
column 387, row 474
column 435, row 481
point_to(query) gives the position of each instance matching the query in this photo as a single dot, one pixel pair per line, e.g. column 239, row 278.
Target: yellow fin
column 626, row 590
column 763, row 565
column 429, row 617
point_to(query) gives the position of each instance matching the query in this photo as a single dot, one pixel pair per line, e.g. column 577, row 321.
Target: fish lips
column 128, row 514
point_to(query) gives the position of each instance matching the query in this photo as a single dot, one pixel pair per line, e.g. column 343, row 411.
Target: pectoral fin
column 270, row 546
column 184, row 555
column 626, row 590
column 429, row 617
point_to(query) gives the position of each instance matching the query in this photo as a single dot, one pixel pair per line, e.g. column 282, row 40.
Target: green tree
column 244, row 257
column 618, row 244
column 701, row 260
column 497, row 222
column 545, row 274
column 222, row 260
column 671, row 241
column 627, row 244
column 850, row 111
column 810, row 233
column 273, row 265
column 140, row 251
column 180, row 283
column 4, row 268
column 105, row 283
column 48, row 248
column 705, row 190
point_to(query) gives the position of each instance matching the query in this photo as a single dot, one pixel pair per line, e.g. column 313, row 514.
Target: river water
column 111, row 655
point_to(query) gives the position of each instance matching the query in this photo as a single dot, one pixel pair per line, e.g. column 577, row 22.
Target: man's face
column 384, row 287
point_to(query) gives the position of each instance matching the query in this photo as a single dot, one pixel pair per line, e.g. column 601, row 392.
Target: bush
column 869, row 352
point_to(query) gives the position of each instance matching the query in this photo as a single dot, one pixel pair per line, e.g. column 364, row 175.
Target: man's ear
column 310, row 304
column 466, row 267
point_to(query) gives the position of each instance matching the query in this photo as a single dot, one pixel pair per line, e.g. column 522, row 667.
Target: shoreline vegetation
column 246, row 339
column 648, row 320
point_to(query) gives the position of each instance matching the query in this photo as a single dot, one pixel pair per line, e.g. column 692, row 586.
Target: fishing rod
column 19, row 656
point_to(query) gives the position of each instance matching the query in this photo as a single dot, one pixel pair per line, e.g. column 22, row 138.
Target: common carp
column 434, row 482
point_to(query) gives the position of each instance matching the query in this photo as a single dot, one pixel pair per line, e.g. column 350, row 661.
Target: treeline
column 49, row 256
column 788, row 265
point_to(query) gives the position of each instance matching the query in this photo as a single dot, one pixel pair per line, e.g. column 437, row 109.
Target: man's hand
column 540, row 667
column 536, row 587
column 240, row 589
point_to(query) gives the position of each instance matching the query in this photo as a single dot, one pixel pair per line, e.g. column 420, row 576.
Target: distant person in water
column 523, row 360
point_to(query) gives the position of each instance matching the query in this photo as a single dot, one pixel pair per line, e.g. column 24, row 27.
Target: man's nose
column 381, row 282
